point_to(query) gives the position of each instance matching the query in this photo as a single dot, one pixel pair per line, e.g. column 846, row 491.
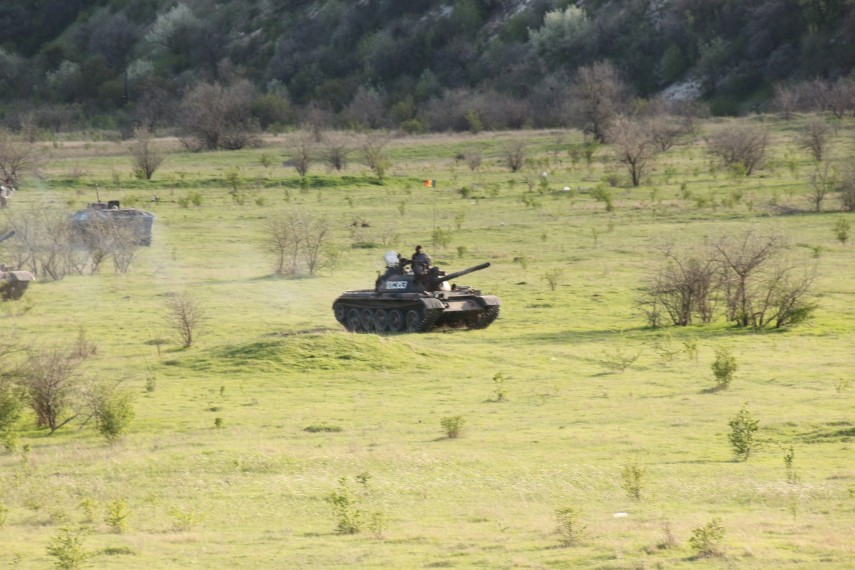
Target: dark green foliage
column 82, row 51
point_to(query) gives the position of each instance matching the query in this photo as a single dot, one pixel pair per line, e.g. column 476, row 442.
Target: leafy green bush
column 707, row 540
column 117, row 515
column 113, row 412
column 68, row 548
column 743, row 427
column 723, row 368
column 452, row 426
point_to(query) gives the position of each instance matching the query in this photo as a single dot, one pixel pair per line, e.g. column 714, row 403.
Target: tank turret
column 404, row 300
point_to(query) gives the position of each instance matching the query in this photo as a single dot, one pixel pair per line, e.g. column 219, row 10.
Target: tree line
column 416, row 66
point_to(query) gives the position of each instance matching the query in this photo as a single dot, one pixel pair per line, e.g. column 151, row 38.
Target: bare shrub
column 840, row 97
column 52, row 384
column 17, row 157
column 749, row 272
column 742, row 146
column 786, row 100
column 184, row 316
column 146, row 156
column 42, row 243
column 514, row 154
column 682, row 289
column 761, row 289
column 814, row 137
column 297, row 240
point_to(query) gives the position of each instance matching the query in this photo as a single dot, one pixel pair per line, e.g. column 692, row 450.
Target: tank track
column 360, row 317
column 485, row 318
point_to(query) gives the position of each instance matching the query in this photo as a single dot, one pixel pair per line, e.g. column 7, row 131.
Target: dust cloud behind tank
column 99, row 217
column 404, row 300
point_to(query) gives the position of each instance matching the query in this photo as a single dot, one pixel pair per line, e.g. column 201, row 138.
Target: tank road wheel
column 413, row 320
column 380, row 320
column 340, row 312
column 367, row 320
column 353, row 322
column 394, row 320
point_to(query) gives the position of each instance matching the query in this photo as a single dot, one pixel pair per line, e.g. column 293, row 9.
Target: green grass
column 303, row 403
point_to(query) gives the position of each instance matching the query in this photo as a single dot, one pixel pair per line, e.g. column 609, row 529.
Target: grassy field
column 239, row 441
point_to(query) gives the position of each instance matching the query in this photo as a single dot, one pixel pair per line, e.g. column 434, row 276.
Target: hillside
column 384, row 63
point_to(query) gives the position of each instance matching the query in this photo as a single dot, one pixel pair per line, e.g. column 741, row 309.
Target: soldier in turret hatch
column 420, row 262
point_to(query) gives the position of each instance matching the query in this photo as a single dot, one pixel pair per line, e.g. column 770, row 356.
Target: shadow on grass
column 644, row 333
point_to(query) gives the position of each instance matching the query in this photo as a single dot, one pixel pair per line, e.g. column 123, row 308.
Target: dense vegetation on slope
column 386, row 63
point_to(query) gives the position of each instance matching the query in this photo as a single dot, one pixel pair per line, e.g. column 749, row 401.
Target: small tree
column 597, row 96
column 303, row 151
column 847, row 190
column 184, row 315
column 823, row 181
column 841, row 229
column 214, row 116
column 634, row 146
column 743, row 428
column 814, row 138
column 147, row 157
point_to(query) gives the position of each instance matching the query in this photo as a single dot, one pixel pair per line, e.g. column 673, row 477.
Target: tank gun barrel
column 467, row 271
column 7, row 235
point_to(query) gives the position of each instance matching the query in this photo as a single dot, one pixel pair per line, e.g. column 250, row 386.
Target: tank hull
column 369, row 311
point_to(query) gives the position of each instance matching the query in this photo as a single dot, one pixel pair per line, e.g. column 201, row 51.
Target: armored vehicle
column 92, row 221
column 13, row 283
column 410, row 298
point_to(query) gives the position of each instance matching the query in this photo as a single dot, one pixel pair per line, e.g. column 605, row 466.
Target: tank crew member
column 421, row 261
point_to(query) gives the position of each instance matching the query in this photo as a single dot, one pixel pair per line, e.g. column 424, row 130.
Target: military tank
column 420, row 300
column 13, row 283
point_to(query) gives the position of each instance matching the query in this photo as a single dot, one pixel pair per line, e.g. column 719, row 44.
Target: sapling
column 631, row 477
column 742, row 429
column 570, row 526
column 499, row 387
column 723, row 368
